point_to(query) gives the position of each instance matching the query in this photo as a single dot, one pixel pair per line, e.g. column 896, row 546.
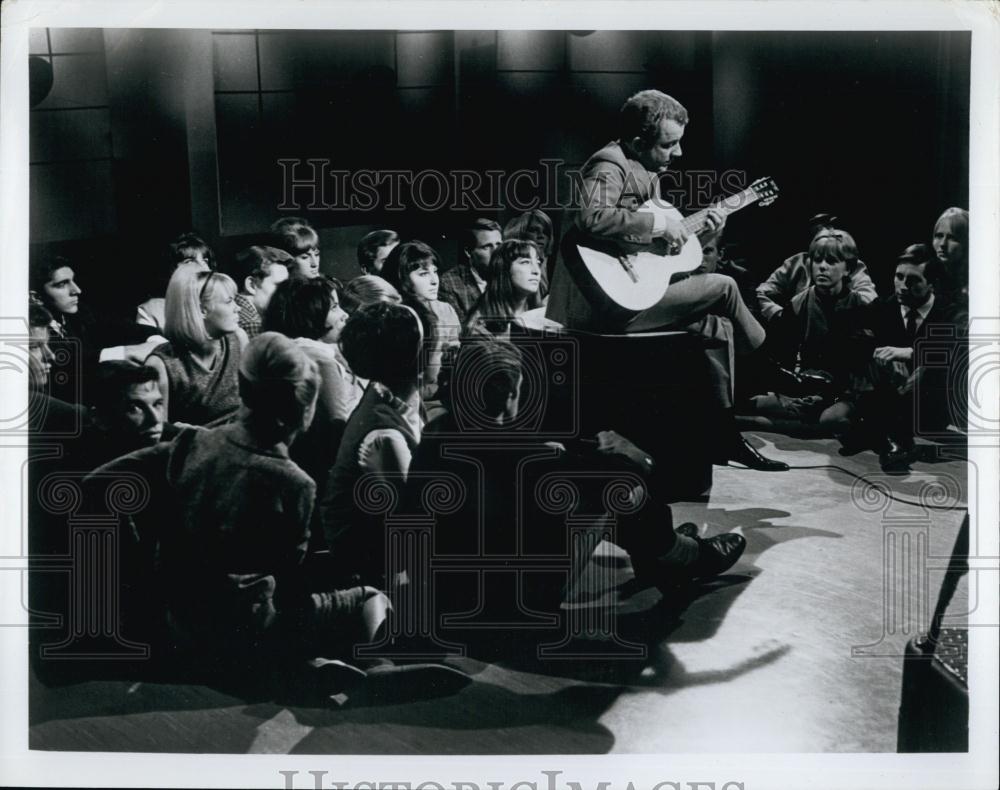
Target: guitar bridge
column 629, row 270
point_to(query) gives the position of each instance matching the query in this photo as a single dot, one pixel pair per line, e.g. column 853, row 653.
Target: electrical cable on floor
column 886, row 493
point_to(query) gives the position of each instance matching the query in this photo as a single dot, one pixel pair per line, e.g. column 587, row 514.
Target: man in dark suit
column 462, row 285
column 899, row 323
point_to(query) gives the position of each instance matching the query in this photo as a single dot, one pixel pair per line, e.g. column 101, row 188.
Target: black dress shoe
column 742, row 452
column 717, row 555
column 688, row 529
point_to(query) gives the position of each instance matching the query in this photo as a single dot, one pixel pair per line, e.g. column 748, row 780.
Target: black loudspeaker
column 934, row 707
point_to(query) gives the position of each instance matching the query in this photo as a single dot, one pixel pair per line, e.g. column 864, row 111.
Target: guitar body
column 643, row 282
column 626, row 280
column 620, row 280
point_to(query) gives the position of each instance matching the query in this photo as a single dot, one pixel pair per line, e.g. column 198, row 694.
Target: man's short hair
column 486, row 373
column 256, row 262
column 299, row 307
column 468, row 233
column 642, row 114
column 371, row 243
column 113, row 378
column 923, row 256
column 188, row 245
column 41, row 269
column 382, row 342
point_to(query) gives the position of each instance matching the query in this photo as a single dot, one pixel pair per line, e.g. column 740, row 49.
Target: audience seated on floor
column 462, row 285
column 823, row 331
column 297, row 237
column 307, row 312
column 198, row 366
column 383, row 342
column 257, row 271
column 794, row 276
column 412, row 268
column 374, row 248
column 187, row 249
column 481, row 441
column 234, row 516
column 906, row 393
column 267, row 452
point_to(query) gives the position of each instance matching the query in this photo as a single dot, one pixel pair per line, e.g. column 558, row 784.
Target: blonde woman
column 198, row 367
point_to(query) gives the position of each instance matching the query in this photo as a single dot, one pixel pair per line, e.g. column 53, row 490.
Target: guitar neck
column 695, row 223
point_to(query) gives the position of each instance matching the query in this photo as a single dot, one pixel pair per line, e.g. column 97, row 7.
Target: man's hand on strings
column 715, row 220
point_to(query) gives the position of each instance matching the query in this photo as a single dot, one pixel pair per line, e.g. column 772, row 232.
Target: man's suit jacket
column 458, row 287
column 613, row 186
column 938, row 397
column 887, row 323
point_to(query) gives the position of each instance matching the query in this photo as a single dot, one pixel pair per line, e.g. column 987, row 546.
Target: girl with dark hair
column 307, row 311
column 535, row 225
column 412, row 268
column 512, row 289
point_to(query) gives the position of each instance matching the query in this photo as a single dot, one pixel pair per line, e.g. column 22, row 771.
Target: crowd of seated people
column 857, row 354
column 258, row 403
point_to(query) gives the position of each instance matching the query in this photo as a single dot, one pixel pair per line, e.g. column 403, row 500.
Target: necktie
column 911, row 325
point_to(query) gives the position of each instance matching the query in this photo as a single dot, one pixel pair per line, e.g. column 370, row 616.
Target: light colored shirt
column 479, row 281
column 922, row 311
column 385, row 450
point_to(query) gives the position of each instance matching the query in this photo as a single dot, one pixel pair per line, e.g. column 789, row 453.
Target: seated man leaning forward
column 480, row 441
column 617, row 181
column 908, row 395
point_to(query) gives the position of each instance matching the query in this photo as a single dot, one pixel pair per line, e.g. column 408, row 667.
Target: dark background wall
column 146, row 133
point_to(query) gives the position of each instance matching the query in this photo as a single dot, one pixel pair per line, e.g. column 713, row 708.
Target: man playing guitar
column 617, row 181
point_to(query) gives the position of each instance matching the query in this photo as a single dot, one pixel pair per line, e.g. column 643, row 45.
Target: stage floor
column 797, row 649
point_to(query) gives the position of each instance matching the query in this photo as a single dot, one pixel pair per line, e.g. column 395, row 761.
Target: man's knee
column 724, row 291
column 836, row 418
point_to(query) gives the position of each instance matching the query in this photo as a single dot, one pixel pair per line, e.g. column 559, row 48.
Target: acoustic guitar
column 627, row 280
